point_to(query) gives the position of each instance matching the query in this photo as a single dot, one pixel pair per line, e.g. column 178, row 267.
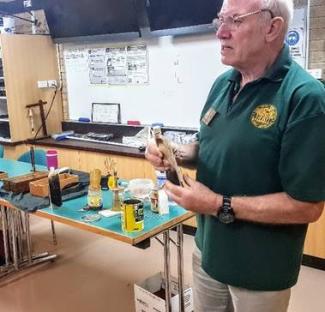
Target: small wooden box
column 3, row 175
column 20, row 184
column 41, row 187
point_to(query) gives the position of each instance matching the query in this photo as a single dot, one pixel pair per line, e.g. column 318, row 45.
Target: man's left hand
column 194, row 196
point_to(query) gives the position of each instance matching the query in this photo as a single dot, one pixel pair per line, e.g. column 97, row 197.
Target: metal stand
column 180, row 268
column 167, row 270
column 17, row 241
column 55, row 242
column 40, row 104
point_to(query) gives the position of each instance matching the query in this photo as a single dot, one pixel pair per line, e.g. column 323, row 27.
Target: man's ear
column 275, row 29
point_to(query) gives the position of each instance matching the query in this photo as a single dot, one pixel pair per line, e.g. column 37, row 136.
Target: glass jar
column 94, row 198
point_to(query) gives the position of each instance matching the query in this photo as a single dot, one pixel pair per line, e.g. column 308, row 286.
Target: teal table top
column 15, row 168
column 71, row 212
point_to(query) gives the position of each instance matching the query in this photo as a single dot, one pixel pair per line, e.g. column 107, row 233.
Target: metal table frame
column 17, row 241
column 180, row 267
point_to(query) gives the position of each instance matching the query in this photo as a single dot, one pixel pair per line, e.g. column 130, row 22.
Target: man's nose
column 223, row 32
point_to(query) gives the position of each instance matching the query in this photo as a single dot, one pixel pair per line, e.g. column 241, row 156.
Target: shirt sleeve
column 302, row 160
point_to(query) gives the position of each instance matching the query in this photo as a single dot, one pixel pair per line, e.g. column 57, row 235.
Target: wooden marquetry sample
column 3, row 175
column 41, row 187
column 20, row 184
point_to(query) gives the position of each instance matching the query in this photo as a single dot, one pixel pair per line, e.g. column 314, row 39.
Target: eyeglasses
column 233, row 22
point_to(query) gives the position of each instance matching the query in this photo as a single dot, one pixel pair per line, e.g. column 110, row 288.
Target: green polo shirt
column 270, row 139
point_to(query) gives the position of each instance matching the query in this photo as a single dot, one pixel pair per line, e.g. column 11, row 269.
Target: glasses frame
column 219, row 21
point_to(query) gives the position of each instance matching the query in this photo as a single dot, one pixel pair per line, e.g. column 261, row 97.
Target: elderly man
column 260, row 160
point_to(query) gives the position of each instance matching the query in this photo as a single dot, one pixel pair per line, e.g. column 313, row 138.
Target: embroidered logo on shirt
column 264, row 116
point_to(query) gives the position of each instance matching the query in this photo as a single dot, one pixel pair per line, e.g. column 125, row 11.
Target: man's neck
column 258, row 69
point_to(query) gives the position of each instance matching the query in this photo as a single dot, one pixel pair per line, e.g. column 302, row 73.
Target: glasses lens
column 227, row 21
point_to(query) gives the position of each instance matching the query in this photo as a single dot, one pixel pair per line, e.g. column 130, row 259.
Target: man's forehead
column 235, row 6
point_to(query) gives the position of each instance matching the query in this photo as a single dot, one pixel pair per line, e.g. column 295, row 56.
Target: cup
column 52, row 159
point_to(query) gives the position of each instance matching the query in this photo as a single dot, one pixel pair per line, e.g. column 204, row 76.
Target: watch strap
column 226, row 202
column 226, row 213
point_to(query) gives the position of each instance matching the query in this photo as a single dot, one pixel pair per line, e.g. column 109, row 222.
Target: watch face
column 226, row 216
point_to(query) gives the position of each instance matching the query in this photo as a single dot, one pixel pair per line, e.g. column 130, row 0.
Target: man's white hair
column 282, row 8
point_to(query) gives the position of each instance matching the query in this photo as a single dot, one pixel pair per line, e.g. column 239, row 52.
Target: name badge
column 209, row 116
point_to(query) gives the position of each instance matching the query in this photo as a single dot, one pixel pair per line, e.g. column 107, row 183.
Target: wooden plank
column 13, row 152
column 27, row 59
column 191, row 222
column 41, row 187
column 315, row 240
column 20, row 184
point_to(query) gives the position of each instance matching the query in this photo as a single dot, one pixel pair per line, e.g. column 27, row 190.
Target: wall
column 181, row 72
column 175, row 95
column 317, row 35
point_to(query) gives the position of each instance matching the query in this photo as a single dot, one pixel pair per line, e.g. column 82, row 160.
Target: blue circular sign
column 292, row 37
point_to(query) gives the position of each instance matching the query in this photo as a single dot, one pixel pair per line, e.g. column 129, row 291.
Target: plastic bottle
column 160, row 178
column 163, row 202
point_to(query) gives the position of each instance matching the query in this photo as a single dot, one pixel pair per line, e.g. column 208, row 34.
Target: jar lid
column 91, row 217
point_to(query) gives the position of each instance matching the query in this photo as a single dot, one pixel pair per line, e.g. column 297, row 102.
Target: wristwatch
column 226, row 213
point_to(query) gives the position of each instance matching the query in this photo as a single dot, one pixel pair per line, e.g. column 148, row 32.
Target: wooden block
column 20, row 184
column 41, row 187
column 3, row 175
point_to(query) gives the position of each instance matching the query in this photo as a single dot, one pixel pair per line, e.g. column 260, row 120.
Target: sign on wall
column 297, row 36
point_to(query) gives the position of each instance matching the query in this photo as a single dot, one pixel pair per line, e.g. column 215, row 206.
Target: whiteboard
column 180, row 74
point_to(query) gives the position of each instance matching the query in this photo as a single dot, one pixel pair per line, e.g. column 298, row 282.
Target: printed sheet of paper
column 137, row 64
column 116, row 66
column 76, row 58
column 97, row 66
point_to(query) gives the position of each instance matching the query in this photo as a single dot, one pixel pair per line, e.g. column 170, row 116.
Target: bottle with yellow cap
column 112, row 181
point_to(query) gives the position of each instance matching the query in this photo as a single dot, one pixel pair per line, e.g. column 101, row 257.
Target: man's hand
column 155, row 157
column 194, row 196
column 187, row 154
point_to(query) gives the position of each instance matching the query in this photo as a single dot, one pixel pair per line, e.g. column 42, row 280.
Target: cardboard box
column 146, row 299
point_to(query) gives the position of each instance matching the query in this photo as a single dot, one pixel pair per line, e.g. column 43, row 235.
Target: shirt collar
column 275, row 73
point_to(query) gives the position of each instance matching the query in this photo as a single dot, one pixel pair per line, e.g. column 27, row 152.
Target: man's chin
column 226, row 61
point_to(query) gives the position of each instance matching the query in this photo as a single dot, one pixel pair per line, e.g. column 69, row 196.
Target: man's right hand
column 155, row 157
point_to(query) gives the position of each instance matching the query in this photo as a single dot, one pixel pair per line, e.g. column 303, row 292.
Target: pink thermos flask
column 52, row 159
